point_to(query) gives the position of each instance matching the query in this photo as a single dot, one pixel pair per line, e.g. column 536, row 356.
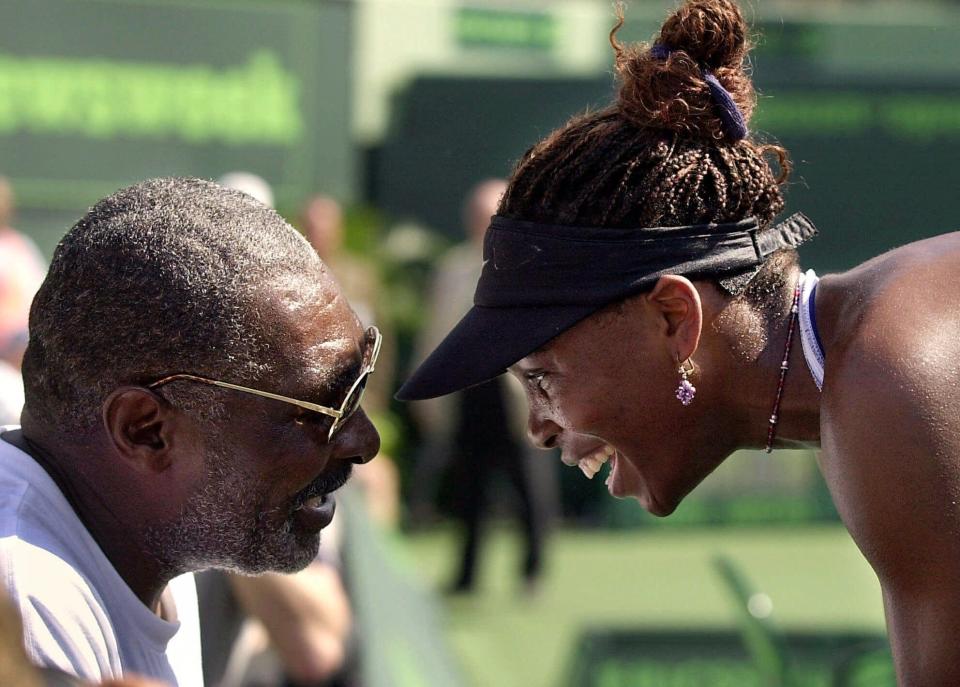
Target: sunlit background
column 395, row 109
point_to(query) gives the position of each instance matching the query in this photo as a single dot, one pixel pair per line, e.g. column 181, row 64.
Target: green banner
column 96, row 94
column 670, row 658
column 475, row 27
column 254, row 103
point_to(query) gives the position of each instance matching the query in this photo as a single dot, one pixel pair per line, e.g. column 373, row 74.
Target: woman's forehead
column 586, row 338
column 544, row 356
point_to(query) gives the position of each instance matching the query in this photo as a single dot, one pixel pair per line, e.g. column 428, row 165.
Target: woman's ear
column 676, row 302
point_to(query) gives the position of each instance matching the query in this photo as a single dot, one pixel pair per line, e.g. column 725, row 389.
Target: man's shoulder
column 43, row 547
column 32, row 507
column 29, row 565
column 16, row 488
column 64, row 622
column 36, row 577
column 13, row 492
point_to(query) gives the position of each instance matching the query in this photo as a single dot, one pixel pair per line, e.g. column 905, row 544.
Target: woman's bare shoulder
column 897, row 304
column 892, row 339
column 890, row 410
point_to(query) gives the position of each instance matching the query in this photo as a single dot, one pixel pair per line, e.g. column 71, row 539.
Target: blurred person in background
column 21, row 273
column 639, row 286
column 172, row 345
column 252, row 184
column 294, row 630
column 479, row 431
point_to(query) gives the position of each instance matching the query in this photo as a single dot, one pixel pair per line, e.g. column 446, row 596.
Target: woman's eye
column 536, row 379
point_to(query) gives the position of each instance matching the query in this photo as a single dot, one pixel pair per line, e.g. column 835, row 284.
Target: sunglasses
column 350, row 402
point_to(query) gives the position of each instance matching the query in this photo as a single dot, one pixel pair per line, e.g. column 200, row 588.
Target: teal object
column 399, row 624
column 754, row 654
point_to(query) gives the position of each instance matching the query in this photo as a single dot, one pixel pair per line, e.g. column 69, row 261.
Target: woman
column 637, row 282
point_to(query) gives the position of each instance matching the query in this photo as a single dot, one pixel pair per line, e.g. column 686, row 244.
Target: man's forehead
column 294, row 291
column 320, row 333
column 324, row 360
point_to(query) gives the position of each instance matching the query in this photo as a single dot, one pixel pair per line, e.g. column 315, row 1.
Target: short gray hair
column 164, row 276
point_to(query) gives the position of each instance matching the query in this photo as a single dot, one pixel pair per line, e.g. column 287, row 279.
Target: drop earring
column 686, row 391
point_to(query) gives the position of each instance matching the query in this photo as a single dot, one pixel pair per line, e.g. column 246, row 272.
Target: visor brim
column 484, row 344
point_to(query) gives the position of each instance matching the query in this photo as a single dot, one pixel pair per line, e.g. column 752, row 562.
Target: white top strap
column 809, row 337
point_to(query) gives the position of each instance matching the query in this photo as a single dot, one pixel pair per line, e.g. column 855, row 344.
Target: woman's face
column 607, row 387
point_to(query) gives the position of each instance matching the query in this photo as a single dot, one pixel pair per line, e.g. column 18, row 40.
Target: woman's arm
column 891, row 438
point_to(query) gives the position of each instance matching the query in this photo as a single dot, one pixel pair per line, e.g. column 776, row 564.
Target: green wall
column 867, row 102
column 96, row 94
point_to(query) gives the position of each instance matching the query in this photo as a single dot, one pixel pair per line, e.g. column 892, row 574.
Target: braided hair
column 660, row 155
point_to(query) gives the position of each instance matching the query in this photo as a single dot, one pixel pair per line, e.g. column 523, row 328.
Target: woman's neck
column 755, row 348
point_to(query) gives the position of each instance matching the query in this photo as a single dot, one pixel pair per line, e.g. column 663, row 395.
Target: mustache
column 325, row 483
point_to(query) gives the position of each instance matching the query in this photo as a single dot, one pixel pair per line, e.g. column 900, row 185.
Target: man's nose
column 358, row 441
column 542, row 432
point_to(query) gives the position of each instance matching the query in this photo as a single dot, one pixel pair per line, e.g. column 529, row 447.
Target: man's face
column 605, row 389
column 268, row 466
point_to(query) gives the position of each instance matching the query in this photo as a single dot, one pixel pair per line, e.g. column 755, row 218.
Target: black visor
column 540, row 280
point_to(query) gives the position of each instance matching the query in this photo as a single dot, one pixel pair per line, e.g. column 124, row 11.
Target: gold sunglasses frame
column 336, row 414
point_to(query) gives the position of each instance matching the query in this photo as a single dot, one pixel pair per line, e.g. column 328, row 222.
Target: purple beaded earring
column 686, row 391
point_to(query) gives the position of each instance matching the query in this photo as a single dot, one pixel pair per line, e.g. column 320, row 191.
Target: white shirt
column 78, row 613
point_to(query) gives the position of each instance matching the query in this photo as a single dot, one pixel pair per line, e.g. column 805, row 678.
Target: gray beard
column 226, row 525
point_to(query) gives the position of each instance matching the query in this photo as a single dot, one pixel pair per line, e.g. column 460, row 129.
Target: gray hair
column 165, row 276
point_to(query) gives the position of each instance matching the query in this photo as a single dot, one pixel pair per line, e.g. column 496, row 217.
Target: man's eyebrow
column 343, row 378
column 342, row 375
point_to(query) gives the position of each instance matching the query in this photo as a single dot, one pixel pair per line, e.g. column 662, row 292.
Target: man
column 192, row 386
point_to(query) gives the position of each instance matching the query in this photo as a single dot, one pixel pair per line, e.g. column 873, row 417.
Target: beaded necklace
column 784, row 366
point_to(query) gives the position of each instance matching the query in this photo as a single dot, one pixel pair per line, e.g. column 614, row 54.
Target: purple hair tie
column 730, row 115
column 660, row 52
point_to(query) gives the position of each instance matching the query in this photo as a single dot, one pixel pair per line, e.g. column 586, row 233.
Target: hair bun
column 671, row 91
column 712, row 32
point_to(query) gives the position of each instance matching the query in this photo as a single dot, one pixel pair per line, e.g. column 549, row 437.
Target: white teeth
column 590, row 465
column 314, row 502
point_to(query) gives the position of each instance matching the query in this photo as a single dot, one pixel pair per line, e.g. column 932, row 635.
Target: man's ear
column 138, row 424
column 676, row 302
